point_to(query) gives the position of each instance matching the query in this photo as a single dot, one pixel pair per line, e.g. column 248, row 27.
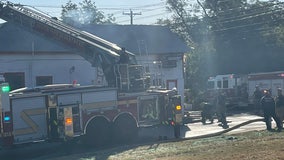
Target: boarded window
column 16, row 80
column 43, row 80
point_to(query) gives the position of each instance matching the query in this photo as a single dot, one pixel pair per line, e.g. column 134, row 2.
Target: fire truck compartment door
column 66, row 99
column 29, row 119
column 148, row 110
column 102, row 100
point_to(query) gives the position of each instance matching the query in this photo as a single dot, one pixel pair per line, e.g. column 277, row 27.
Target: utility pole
column 131, row 15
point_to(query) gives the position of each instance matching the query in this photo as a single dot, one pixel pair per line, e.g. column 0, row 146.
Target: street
column 196, row 128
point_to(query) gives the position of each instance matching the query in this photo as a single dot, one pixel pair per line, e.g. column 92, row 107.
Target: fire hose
column 216, row 133
column 226, row 130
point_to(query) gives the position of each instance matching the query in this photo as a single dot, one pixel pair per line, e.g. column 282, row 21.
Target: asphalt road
column 198, row 129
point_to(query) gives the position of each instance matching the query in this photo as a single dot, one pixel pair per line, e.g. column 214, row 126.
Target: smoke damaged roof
column 140, row 39
column 17, row 39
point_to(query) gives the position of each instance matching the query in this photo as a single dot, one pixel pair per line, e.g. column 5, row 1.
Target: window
column 43, row 80
column 219, row 84
column 225, row 84
column 169, row 63
column 147, row 69
column 157, row 82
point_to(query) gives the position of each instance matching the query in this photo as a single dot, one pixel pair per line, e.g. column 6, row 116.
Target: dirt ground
column 262, row 145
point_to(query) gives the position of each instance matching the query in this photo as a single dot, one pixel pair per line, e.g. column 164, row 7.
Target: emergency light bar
column 7, row 118
column 5, row 87
column 178, row 107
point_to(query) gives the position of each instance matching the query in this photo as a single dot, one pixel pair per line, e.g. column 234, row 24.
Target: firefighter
column 257, row 94
column 268, row 107
column 124, row 57
column 207, row 112
column 220, row 104
column 279, row 105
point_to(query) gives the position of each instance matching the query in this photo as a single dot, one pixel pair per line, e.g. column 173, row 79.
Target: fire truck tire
column 125, row 129
column 98, row 133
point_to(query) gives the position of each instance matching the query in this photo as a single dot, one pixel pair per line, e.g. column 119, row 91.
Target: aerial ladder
column 96, row 50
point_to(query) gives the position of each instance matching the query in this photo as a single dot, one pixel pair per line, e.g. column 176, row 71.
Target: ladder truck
column 95, row 114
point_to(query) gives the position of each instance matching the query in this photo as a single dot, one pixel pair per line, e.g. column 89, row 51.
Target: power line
column 150, row 16
column 247, row 11
column 252, row 16
column 248, row 17
column 131, row 14
column 142, row 7
column 145, row 17
column 150, row 10
column 143, row 10
column 133, row 6
column 121, row 8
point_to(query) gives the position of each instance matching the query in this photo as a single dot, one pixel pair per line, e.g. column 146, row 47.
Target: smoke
column 76, row 17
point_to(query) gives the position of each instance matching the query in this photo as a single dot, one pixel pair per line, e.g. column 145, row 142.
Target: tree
column 247, row 39
column 85, row 12
column 231, row 36
column 70, row 12
column 193, row 28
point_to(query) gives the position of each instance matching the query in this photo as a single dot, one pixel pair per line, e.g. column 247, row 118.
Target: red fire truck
column 97, row 114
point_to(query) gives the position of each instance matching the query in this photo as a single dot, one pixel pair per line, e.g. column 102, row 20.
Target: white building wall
column 175, row 73
column 59, row 66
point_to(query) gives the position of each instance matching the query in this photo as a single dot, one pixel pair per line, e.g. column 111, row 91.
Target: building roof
column 15, row 38
column 138, row 39
column 150, row 39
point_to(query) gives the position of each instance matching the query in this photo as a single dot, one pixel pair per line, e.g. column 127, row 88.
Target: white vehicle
column 266, row 80
column 232, row 85
column 239, row 89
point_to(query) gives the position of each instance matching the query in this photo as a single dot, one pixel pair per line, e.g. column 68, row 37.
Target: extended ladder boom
column 97, row 51
column 32, row 18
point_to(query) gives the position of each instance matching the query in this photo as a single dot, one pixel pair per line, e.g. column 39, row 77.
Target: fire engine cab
column 97, row 114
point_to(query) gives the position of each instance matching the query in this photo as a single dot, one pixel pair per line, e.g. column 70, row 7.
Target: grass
column 262, row 145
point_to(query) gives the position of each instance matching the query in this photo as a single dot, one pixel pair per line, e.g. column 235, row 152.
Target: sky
column 150, row 10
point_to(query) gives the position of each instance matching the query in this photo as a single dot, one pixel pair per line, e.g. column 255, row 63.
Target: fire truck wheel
column 125, row 129
column 98, row 132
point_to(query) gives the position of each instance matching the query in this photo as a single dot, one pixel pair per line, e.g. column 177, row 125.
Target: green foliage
column 278, row 33
column 231, row 36
column 246, row 39
column 85, row 12
column 195, row 31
